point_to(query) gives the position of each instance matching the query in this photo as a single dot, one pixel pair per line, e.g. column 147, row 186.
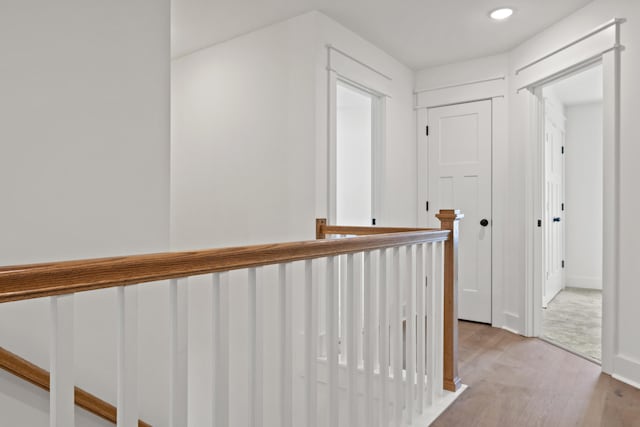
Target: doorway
column 357, row 121
column 572, row 225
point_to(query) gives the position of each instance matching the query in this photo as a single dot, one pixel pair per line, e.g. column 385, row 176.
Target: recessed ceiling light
column 502, row 13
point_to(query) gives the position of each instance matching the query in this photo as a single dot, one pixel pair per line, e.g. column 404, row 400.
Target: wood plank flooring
column 516, row 381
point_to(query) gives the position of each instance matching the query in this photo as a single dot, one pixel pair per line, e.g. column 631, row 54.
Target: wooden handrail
column 365, row 231
column 41, row 280
column 37, row 376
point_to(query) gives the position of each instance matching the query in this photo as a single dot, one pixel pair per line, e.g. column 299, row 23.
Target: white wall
column 243, row 149
column 84, row 171
column 249, row 165
column 583, row 196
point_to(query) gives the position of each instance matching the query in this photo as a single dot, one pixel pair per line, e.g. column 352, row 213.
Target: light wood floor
column 516, row 381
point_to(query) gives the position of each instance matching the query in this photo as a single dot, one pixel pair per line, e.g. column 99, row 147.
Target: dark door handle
column 484, row 222
column 556, row 219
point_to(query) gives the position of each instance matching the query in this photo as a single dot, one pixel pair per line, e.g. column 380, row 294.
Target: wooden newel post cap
column 320, row 224
column 449, row 215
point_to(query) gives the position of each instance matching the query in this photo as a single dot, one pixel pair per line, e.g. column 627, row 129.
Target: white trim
column 364, row 64
column 626, row 368
column 460, row 94
column 584, row 282
column 473, row 82
column 508, row 329
column 611, row 210
column 576, row 68
column 626, row 381
column 499, row 216
column 511, row 323
column 591, row 33
column 359, row 85
column 448, row 104
column 611, row 136
column 451, row 95
column 534, row 267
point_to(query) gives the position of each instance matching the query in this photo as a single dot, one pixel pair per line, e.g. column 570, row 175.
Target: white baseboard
column 512, row 323
column 433, row 412
column 583, row 282
column 627, row 370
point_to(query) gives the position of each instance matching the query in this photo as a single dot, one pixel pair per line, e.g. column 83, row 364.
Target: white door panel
column 554, row 218
column 460, row 178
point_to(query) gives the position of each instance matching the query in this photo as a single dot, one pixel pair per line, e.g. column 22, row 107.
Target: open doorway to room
column 356, row 141
column 572, row 225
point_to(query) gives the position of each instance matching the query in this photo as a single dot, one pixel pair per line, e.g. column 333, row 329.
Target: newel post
column 449, row 220
column 320, row 224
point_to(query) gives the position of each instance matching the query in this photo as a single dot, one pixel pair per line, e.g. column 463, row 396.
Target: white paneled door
column 553, row 223
column 459, row 138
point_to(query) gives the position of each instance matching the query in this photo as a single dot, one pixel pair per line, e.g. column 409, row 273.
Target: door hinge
column 427, row 131
column 563, row 149
column 563, row 206
column 373, row 221
column 427, row 206
column 539, row 223
column 562, row 263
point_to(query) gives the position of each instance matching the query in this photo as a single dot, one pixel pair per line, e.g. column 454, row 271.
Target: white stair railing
column 378, row 311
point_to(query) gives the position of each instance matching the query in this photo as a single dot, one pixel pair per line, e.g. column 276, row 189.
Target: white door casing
column 459, row 153
column 553, row 224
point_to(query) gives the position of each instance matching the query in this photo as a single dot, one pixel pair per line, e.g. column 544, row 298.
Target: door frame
column 494, row 90
column 611, row 175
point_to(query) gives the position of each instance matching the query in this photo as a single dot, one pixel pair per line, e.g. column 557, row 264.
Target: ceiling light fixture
column 501, row 14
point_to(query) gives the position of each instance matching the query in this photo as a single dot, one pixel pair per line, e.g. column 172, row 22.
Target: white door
column 553, row 226
column 459, row 139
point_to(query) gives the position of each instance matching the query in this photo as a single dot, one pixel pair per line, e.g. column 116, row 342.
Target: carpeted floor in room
column 573, row 320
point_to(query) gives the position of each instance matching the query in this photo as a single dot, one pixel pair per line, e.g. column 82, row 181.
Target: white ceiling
column 581, row 88
column 419, row 33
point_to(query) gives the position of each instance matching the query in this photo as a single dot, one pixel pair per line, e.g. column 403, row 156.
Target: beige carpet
column 573, row 320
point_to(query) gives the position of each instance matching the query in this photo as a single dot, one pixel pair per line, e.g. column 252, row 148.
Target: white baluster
column 420, row 285
column 439, row 316
column 397, row 334
column 431, row 324
column 342, row 304
column 127, row 356
column 370, row 328
column 352, row 341
column 410, row 335
column 255, row 348
column 358, row 263
column 220, row 362
column 383, row 349
column 332, row 339
column 178, row 343
column 311, row 343
column 286, row 326
column 61, row 398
